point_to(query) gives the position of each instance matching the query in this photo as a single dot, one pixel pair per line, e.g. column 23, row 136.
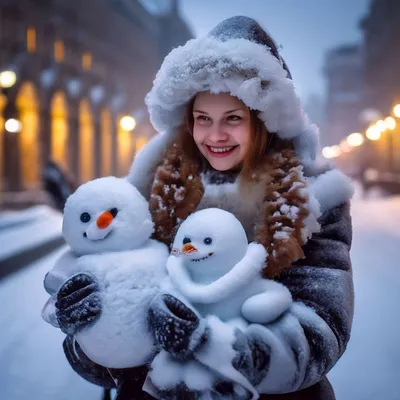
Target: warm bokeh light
column 390, row 123
column 373, row 133
column 355, row 139
column 13, row 125
column 344, row 146
column 396, row 110
column 331, row 151
column 7, row 79
column 381, row 125
column 127, row 123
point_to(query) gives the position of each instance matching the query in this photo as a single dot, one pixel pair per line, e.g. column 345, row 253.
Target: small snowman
column 107, row 225
column 215, row 269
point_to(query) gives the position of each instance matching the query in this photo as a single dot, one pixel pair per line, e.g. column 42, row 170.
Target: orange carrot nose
column 188, row 249
column 104, row 220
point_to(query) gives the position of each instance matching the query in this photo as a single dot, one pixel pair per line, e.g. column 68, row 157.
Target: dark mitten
column 78, row 303
column 177, row 329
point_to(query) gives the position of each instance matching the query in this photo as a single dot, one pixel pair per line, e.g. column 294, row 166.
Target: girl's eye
column 85, row 217
column 234, row 118
column 208, row 240
column 203, row 118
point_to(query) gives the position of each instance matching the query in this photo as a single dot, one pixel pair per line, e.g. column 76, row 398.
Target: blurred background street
column 72, row 88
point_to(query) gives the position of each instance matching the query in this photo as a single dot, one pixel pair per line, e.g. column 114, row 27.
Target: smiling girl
column 234, row 136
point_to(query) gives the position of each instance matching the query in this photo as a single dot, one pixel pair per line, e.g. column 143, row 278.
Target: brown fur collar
column 177, row 191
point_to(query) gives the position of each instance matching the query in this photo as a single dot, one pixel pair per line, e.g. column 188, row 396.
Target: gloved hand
column 78, row 303
column 177, row 329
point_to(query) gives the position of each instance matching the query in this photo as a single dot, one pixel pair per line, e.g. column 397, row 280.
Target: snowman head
column 106, row 214
column 212, row 241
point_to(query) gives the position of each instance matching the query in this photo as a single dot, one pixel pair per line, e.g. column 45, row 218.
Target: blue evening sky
column 305, row 29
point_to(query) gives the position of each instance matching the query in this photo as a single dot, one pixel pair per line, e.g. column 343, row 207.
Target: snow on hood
column 239, row 58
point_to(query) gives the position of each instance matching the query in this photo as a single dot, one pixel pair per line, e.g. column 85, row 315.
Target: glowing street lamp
column 7, row 79
column 355, row 139
column 373, row 133
column 396, row 110
column 390, row 123
column 127, row 123
column 344, row 146
column 381, row 125
column 13, row 125
column 331, row 152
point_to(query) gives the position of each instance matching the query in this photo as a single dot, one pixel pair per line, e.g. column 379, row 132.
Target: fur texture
column 178, row 190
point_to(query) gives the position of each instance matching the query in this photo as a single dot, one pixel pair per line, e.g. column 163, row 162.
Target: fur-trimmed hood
column 240, row 58
column 237, row 57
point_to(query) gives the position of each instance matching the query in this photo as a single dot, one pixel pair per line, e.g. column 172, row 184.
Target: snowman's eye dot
column 186, row 240
column 207, row 240
column 114, row 212
column 85, row 217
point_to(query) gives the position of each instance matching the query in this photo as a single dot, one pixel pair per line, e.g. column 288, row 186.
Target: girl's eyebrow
column 226, row 112
column 236, row 109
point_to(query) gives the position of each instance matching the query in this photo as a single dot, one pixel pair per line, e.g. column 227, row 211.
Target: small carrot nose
column 104, row 220
column 188, row 249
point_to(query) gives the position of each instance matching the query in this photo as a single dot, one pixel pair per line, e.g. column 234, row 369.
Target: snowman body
column 213, row 267
column 108, row 225
column 129, row 281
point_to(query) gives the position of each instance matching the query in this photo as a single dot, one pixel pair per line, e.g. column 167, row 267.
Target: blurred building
column 381, row 31
column 80, row 67
column 343, row 69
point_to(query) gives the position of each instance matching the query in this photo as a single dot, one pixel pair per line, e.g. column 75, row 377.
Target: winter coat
column 311, row 260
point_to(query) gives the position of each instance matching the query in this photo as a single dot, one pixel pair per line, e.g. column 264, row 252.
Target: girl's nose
column 218, row 134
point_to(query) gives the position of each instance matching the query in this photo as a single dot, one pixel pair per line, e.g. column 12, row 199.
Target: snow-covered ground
column 27, row 229
column 370, row 368
column 32, row 365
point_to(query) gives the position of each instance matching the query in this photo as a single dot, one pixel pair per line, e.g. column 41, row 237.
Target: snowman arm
column 64, row 268
column 245, row 270
column 267, row 306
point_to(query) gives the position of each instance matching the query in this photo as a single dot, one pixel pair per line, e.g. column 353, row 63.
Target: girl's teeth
column 220, row 150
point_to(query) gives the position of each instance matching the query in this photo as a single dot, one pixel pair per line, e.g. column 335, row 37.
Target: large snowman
column 213, row 267
column 107, row 225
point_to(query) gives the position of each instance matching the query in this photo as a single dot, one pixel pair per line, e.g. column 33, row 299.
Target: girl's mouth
column 221, row 152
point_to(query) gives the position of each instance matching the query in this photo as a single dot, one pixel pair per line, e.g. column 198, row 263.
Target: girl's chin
column 223, row 164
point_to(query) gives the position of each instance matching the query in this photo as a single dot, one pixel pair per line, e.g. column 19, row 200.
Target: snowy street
column 32, row 365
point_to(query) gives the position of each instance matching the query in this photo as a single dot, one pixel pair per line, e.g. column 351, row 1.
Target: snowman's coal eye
column 85, row 217
column 207, row 240
column 186, row 240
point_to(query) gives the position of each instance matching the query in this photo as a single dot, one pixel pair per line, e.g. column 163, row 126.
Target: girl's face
column 221, row 129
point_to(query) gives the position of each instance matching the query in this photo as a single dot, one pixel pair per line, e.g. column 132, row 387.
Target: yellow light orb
column 13, row 125
column 381, row 125
column 390, row 123
column 355, row 139
column 335, row 151
column 7, row 79
column 373, row 133
column 396, row 110
column 344, row 146
column 127, row 123
column 326, row 152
